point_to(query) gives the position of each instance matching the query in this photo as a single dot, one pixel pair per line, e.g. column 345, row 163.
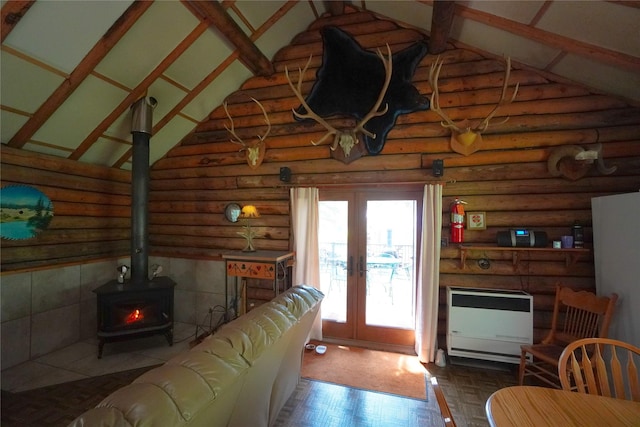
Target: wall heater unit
column 488, row 324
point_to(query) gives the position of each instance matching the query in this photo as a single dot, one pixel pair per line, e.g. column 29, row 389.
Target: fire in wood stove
column 135, row 316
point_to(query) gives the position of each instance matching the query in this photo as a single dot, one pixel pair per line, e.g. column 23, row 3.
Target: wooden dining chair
column 447, row 417
column 576, row 315
column 601, row 366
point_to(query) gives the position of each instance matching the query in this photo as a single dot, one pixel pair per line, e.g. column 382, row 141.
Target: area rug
column 387, row 372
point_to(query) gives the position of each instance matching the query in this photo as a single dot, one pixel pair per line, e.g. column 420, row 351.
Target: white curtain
column 429, row 274
column 304, row 219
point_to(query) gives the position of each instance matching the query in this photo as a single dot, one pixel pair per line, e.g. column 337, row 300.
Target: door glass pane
column 333, row 230
column 391, row 241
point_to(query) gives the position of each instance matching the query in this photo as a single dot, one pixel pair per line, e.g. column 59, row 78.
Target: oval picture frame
column 232, row 212
column 25, row 211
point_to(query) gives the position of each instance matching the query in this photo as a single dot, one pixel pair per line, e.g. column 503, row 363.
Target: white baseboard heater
column 488, row 324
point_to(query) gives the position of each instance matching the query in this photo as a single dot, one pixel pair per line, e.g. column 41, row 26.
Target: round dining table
column 529, row 406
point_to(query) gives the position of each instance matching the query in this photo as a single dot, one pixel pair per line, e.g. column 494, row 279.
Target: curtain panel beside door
column 304, row 224
column 429, row 274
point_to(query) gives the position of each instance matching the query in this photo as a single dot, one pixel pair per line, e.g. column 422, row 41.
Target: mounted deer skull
column 466, row 139
column 345, row 138
column 255, row 149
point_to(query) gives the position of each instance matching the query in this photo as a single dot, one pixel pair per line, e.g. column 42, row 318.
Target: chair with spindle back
column 601, row 366
column 576, row 315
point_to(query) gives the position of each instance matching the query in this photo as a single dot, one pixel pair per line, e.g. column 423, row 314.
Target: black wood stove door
column 127, row 310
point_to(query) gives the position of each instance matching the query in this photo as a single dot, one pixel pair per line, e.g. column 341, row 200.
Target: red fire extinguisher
column 457, row 221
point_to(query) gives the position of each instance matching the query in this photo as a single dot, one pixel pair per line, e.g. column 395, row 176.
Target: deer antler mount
column 254, row 149
column 345, row 138
column 467, row 139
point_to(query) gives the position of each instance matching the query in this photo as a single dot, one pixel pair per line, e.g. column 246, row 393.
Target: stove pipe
column 141, row 124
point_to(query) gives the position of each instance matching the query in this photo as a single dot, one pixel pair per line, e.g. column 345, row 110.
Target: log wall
column 507, row 179
column 91, row 205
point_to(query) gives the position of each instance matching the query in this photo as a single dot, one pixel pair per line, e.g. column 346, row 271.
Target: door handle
column 361, row 266
column 350, row 266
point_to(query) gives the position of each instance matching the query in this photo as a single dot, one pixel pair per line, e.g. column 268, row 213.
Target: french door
column 368, row 251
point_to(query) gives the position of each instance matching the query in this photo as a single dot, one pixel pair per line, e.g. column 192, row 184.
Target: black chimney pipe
column 141, row 125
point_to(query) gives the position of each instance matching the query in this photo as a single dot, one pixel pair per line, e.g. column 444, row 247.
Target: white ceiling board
column 104, row 152
column 85, row 109
column 618, row 82
column 23, row 85
column 203, row 56
column 283, row 31
column 519, row 11
column 121, row 127
column 319, row 5
column 168, row 137
column 78, row 27
column 163, row 26
column 409, row 12
column 213, row 95
column 167, row 95
column 257, row 12
column 10, row 123
column 620, row 31
column 501, row 43
column 37, row 148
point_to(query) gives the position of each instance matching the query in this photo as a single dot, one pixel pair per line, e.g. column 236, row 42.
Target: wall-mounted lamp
column 248, row 213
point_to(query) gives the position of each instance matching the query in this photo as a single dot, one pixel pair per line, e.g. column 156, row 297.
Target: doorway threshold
column 371, row 345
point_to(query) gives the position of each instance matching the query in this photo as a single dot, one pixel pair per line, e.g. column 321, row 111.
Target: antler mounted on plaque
column 466, row 139
column 254, row 149
column 345, row 138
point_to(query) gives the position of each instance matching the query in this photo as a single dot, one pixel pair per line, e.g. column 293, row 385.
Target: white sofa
column 239, row 377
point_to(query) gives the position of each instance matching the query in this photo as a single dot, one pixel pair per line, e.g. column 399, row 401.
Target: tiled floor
column 80, row 360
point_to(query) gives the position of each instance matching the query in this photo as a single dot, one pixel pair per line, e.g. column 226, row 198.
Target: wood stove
column 128, row 310
column 140, row 306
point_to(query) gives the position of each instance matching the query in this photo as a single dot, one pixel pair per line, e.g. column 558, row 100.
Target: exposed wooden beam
column 86, row 66
column 12, row 13
column 138, row 91
column 593, row 52
column 335, row 8
column 441, row 21
column 249, row 53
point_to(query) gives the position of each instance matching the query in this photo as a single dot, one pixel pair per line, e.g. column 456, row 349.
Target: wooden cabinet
column 259, row 277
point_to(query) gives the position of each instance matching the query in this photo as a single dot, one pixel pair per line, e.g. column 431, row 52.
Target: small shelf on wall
column 571, row 254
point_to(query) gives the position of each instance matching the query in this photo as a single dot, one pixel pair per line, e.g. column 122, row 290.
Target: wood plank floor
column 319, row 404
column 313, row 404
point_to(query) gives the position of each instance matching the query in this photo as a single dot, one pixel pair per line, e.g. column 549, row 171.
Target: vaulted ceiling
column 72, row 69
